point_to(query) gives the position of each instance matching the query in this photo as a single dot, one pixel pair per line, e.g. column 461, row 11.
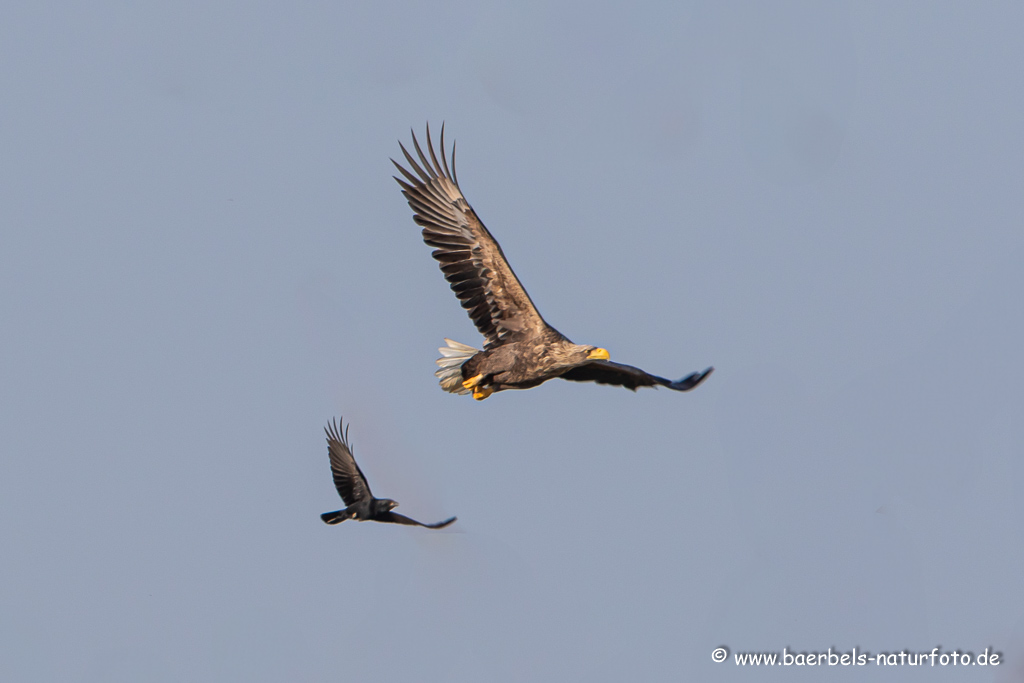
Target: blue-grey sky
column 204, row 258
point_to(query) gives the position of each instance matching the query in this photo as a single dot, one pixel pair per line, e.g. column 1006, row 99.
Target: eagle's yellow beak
column 598, row 354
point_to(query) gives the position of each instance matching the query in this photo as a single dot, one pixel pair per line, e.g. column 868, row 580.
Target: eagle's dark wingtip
column 691, row 381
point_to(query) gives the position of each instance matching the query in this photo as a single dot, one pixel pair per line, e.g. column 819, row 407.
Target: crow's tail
column 336, row 517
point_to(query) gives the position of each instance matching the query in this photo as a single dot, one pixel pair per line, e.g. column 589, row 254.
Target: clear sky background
column 204, row 258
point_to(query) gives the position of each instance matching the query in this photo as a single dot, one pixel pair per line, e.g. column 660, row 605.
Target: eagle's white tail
column 450, row 371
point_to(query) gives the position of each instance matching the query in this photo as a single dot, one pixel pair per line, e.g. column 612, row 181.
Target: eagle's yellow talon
column 480, row 393
column 472, row 382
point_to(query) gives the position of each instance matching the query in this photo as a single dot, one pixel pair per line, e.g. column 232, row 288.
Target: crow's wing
column 395, row 518
column 348, row 478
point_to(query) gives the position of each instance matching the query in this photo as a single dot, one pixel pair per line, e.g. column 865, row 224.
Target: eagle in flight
column 520, row 349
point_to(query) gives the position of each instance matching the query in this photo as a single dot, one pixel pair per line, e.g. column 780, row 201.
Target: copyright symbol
column 719, row 654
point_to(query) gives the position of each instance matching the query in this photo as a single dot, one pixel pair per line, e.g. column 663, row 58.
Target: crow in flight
column 353, row 489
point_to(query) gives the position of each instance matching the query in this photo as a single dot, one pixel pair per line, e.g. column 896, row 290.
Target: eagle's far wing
column 608, row 372
column 470, row 257
column 348, row 478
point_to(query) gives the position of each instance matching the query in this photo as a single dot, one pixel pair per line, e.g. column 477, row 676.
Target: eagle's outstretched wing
column 607, row 372
column 348, row 478
column 470, row 257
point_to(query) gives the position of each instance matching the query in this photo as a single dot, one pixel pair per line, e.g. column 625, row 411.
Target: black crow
column 353, row 489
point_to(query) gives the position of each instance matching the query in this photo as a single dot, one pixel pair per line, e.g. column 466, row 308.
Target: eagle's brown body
column 527, row 363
